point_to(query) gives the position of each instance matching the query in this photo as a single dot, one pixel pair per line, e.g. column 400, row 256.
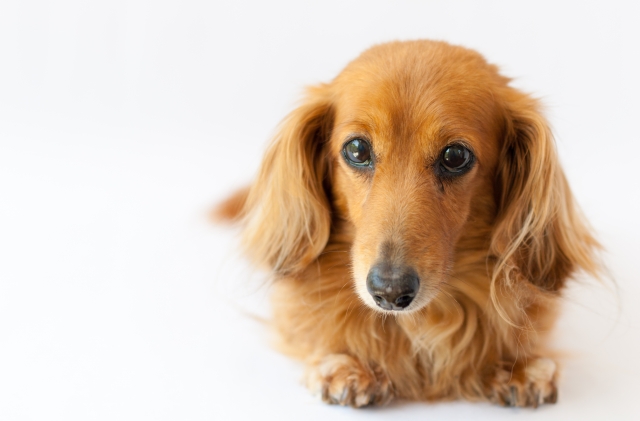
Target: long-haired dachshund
column 419, row 229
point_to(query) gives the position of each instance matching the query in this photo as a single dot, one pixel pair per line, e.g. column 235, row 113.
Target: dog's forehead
column 423, row 99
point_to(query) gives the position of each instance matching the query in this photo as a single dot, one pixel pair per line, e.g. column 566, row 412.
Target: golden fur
column 493, row 249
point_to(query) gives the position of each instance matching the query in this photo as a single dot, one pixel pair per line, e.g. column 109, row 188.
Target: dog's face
column 414, row 150
column 435, row 163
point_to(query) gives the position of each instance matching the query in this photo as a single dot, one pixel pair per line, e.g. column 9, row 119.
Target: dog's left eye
column 357, row 152
column 456, row 159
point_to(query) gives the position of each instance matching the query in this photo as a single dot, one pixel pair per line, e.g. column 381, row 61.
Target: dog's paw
column 530, row 385
column 340, row 379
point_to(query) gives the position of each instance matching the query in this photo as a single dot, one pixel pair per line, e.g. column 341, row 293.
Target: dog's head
column 423, row 153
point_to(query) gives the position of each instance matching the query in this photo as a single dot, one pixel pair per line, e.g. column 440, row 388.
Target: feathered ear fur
column 286, row 217
column 540, row 234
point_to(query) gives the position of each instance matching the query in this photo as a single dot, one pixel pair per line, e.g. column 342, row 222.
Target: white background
column 122, row 122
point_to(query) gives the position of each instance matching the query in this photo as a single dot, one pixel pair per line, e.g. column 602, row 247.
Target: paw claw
column 553, row 397
column 514, row 396
column 536, row 399
column 344, row 397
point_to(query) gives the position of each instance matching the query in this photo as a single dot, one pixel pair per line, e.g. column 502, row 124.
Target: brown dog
column 419, row 229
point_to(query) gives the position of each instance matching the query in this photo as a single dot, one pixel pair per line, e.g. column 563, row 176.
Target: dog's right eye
column 357, row 152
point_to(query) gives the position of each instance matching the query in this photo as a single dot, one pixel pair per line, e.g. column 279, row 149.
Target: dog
column 419, row 230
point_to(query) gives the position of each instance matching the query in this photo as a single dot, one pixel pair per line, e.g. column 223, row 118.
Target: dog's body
column 420, row 230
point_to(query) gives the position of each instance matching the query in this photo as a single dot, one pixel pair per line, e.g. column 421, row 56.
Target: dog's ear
column 540, row 234
column 286, row 216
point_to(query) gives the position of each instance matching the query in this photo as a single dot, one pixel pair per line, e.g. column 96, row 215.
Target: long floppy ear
column 286, row 216
column 540, row 234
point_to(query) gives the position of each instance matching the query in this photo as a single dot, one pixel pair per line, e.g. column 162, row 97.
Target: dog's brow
column 357, row 125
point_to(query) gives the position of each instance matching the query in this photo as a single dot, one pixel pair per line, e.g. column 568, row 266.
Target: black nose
column 392, row 287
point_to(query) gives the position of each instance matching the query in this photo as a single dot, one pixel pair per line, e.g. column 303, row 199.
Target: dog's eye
column 456, row 158
column 357, row 152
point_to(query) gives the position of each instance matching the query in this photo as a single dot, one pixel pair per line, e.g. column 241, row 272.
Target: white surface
column 121, row 122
